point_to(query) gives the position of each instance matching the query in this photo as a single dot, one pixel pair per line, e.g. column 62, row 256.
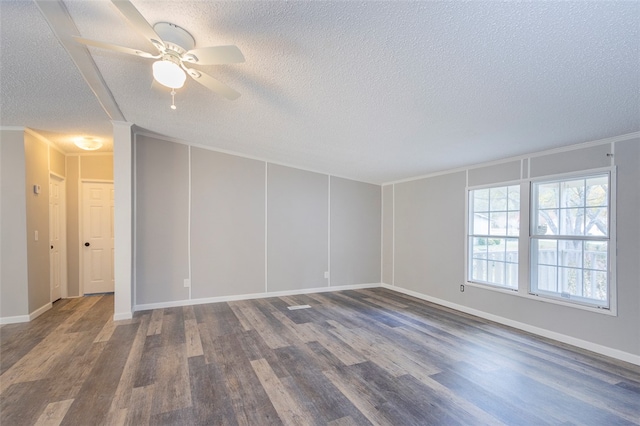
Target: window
column 570, row 239
column 494, row 228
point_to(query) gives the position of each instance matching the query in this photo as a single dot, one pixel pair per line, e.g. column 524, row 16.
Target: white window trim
column 524, row 257
column 490, row 286
column 611, row 246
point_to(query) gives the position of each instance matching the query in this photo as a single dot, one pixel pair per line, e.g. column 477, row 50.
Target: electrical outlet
column 187, row 282
column 326, row 274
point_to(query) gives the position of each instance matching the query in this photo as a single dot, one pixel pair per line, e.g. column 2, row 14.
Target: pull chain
column 173, row 99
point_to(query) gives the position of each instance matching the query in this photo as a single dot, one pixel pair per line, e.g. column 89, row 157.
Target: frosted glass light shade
column 87, row 144
column 169, row 74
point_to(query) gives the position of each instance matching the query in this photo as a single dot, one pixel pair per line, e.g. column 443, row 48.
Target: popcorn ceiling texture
column 374, row 91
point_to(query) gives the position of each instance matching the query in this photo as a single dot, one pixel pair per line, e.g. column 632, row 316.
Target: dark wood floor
column 355, row 358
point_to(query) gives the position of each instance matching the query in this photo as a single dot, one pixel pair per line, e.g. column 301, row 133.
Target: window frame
column 468, row 236
column 556, row 297
column 524, row 240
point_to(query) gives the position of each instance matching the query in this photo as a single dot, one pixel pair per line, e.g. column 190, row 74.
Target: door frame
column 81, row 183
column 63, row 237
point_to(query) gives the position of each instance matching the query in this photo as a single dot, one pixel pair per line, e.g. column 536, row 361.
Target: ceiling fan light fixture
column 88, row 144
column 168, row 73
column 176, row 48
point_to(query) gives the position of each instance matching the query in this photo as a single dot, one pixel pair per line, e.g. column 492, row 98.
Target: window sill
column 491, row 287
column 541, row 298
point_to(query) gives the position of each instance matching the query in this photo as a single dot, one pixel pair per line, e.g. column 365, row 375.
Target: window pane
column 597, row 191
column 478, row 262
column 513, row 195
column 595, row 255
column 513, row 224
column 595, row 284
column 571, row 279
column 479, row 270
column 547, row 252
column 547, row 278
column 496, row 249
column 511, row 279
column 481, row 200
column 479, row 248
column 480, row 225
column 572, row 193
column 597, row 223
column 498, row 223
column 547, row 222
column 570, row 253
column 498, row 198
column 548, row 194
column 511, row 254
column 496, row 273
column 572, row 221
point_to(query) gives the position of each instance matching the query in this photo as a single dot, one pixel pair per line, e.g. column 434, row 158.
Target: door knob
column 87, row 244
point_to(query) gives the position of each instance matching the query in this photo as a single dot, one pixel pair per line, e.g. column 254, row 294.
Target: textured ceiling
column 375, row 91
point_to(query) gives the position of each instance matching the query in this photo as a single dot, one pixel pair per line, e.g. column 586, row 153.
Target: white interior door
column 97, row 223
column 57, row 239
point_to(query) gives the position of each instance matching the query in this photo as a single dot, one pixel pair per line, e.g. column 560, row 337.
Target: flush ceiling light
column 88, row 144
column 168, row 73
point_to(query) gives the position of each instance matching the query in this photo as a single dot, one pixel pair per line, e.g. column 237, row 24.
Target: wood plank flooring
column 354, row 358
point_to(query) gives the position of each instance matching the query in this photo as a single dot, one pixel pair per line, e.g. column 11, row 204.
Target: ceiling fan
column 176, row 53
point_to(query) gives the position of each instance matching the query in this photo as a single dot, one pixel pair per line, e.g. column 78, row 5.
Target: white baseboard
column 41, row 310
column 176, row 303
column 590, row 346
column 26, row 318
column 14, row 320
column 122, row 316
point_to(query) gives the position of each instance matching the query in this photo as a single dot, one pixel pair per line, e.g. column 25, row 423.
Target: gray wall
column 96, row 166
column 297, row 229
column 235, row 204
column 627, row 159
column 13, row 226
column 57, row 162
column 228, row 224
column 429, row 246
column 355, row 232
column 73, row 225
column 37, row 173
column 504, row 172
column 161, row 222
column 387, row 234
column 429, row 228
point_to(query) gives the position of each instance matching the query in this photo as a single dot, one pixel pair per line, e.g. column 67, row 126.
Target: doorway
column 97, row 237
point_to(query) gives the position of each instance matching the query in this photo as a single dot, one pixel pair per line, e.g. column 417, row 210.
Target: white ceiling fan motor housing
column 174, row 37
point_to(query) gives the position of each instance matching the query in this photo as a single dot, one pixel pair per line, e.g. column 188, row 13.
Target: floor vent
column 296, row 307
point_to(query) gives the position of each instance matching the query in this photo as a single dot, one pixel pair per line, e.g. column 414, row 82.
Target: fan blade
column 213, row 84
column 214, row 55
column 115, row 47
column 138, row 22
